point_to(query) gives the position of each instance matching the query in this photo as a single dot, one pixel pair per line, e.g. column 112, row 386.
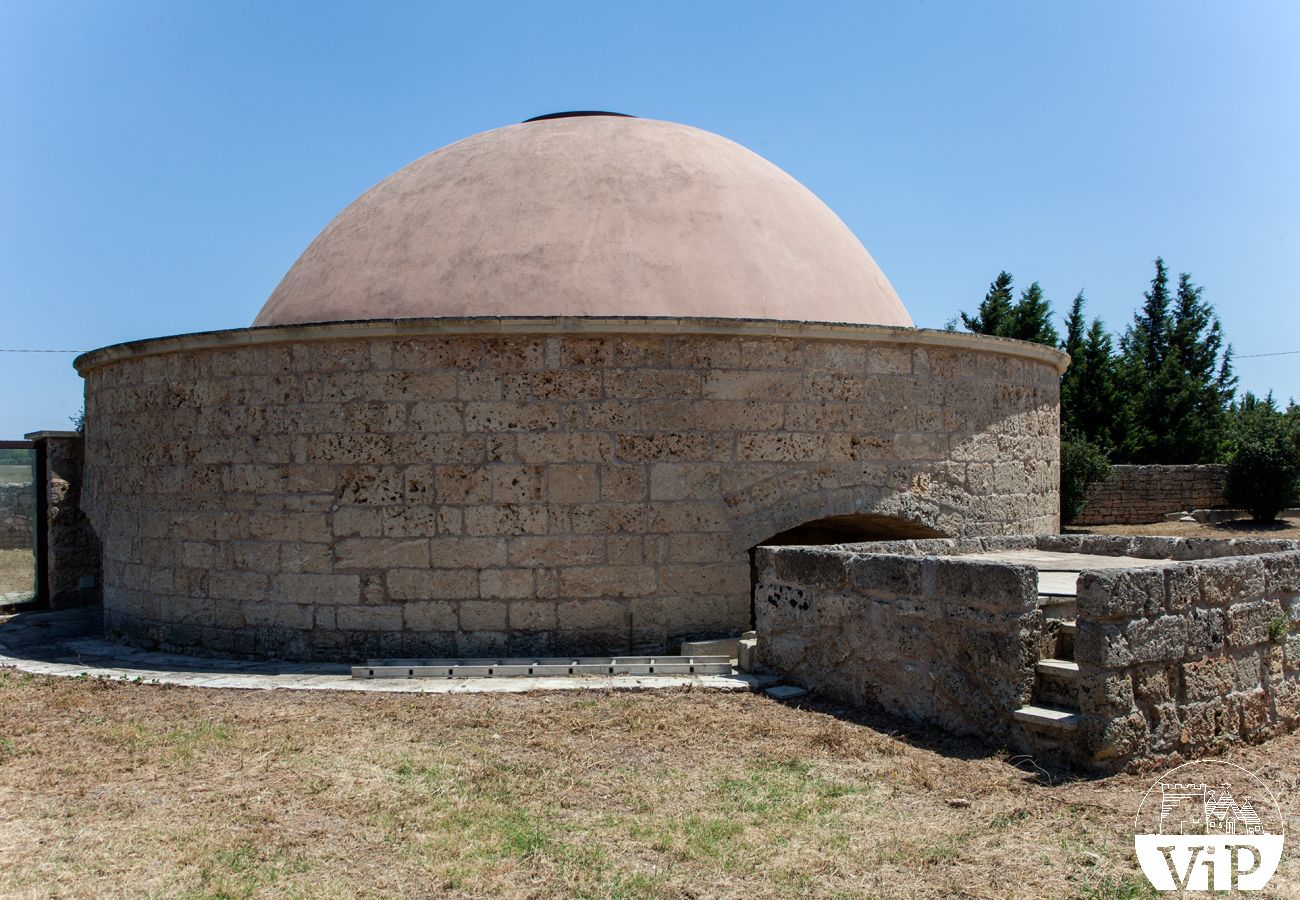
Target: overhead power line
column 1257, row 355
column 3, row 350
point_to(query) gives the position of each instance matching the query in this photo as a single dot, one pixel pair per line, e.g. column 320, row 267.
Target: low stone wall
column 950, row 642
column 1135, row 495
column 17, row 506
column 1175, row 661
column 1179, row 662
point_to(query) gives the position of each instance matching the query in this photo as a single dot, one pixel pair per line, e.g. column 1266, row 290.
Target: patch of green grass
column 7, row 748
column 180, row 742
column 1005, row 819
column 245, row 870
column 788, row 789
column 1129, row 887
column 1278, row 629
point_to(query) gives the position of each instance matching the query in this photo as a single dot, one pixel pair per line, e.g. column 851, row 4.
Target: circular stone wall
column 529, row 486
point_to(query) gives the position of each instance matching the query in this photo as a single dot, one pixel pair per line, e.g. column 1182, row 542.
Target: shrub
column 1264, row 470
column 1082, row 464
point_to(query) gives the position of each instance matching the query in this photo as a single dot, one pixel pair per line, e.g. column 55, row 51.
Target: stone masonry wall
column 72, row 575
column 1135, row 495
column 1183, row 661
column 531, row 494
column 17, row 506
column 946, row 641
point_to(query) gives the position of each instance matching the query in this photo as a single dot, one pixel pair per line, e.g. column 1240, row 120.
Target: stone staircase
column 1052, row 718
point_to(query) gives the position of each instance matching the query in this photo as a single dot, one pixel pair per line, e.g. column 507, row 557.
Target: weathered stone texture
column 949, row 642
column 1135, row 495
column 73, row 564
column 1185, row 661
column 531, row 493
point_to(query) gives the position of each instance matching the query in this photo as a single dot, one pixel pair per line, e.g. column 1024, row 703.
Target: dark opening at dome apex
column 575, row 113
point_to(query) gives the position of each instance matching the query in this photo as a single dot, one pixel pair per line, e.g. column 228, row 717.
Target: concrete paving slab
column 1053, row 561
column 67, row 643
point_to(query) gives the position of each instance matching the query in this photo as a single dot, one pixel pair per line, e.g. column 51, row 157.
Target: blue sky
column 163, row 163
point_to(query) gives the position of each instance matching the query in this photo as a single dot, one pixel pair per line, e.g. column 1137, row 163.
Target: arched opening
column 849, row 529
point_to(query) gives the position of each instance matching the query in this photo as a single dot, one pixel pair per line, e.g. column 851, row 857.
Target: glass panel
column 17, row 526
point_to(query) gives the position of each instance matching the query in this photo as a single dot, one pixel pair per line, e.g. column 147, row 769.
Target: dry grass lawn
column 17, row 571
column 112, row 789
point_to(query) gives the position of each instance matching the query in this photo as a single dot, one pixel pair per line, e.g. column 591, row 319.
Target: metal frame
column 535, row 668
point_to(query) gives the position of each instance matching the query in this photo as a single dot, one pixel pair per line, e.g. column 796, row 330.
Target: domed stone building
column 541, row 392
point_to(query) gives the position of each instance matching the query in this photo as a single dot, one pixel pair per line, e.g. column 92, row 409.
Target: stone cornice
column 576, row 325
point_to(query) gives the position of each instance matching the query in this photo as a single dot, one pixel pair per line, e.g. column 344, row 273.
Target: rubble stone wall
column 438, row 488
column 942, row 640
column 17, row 507
column 1135, row 495
column 72, row 575
column 1183, row 661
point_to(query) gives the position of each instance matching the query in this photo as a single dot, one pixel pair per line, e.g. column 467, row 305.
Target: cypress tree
column 1176, row 376
column 1027, row 319
column 994, row 313
column 1031, row 318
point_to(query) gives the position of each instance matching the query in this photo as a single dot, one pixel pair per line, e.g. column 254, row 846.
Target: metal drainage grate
column 535, row 668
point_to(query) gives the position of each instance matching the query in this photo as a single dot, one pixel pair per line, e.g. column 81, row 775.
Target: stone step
column 1058, row 584
column 1066, row 626
column 1053, row 719
column 1064, row 669
column 1057, row 607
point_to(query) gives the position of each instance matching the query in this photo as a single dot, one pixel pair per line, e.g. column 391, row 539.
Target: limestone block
column 482, row 615
column 1182, row 588
column 1206, row 631
column 1248, row 622
column 1206, row 679
column 505, row 520
column 505, row 584
column 684, row 481
column 429, row 615
column 994, row 585
column 811, row 568
column 380, row 553
column 572, row 484
column 592, row 615
column 1282, row 573
column 1121, row 593
column 432, row 584
column 532, row 615
column 607, row 581
column 1228, row 581
column 1101, row 644
column 1157, row 640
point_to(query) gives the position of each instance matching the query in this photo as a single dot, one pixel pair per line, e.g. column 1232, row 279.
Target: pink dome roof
column 592, row 215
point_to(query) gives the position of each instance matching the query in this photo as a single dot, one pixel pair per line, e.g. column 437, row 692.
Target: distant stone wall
column 17, row 506
column 582, row 486
column 947, row 641
column 1184, row 661
column 1135, row 495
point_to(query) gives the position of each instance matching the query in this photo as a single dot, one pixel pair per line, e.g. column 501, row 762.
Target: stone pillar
column 71, row 575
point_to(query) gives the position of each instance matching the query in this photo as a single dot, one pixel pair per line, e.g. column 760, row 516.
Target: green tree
column 1176, row 376
column 1027, row 319
column 994, row 313
column 1264, row 461
column 1091, row 407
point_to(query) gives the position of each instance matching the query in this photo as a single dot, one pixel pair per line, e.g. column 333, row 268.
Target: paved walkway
column 1058, row 573
column 68, row 643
